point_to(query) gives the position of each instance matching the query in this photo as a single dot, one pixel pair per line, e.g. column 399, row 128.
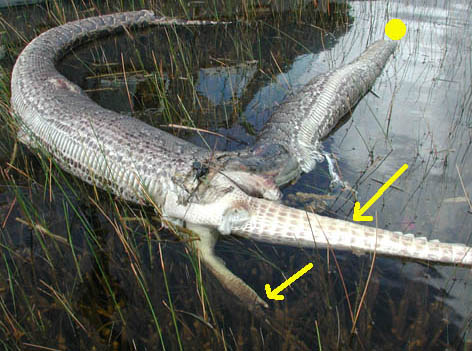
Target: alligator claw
column 205, row 247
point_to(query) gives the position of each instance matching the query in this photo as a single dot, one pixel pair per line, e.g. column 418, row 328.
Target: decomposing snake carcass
column 143, row 164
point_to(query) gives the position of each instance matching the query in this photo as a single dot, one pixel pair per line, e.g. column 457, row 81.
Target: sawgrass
column 82, row 269
column 62, row 238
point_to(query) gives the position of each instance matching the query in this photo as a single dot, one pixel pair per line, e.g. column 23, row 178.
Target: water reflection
column 423, row 118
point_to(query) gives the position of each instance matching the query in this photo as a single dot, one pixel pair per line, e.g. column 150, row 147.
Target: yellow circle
column 395, row 29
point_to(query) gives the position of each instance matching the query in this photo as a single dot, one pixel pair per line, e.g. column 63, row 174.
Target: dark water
column 93, row 290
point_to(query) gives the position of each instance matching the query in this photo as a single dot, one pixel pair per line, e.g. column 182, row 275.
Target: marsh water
column 82, row 270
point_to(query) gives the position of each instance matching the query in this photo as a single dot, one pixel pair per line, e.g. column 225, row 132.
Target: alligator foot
column 205, row 247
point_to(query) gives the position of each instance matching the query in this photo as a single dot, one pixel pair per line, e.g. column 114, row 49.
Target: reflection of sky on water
column 427, row 90
column 428, row 86
column 423, row 118
column 304, row 68
column 222, row 84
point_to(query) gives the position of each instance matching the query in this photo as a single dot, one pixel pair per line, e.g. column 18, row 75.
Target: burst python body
column 143, row 164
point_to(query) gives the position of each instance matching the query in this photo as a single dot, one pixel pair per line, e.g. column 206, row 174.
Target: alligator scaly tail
column 274, row 223
column 271, row 222
column 146, row 165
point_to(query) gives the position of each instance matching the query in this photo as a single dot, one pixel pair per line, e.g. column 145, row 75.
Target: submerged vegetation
column 81, row 269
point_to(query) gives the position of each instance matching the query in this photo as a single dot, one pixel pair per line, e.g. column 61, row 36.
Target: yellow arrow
column 274, row 294
column 358, row 211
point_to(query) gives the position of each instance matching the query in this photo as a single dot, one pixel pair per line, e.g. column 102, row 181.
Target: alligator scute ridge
column 143, row 164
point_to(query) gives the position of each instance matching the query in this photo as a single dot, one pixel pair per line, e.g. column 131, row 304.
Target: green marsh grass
column 81, row 269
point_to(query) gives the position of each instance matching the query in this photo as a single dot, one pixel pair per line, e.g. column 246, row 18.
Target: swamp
column 83, row 270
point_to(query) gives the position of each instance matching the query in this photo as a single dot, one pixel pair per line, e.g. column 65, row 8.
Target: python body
column 143, row 164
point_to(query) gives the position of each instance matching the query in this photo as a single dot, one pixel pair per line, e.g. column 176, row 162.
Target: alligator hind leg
column 205, row 247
